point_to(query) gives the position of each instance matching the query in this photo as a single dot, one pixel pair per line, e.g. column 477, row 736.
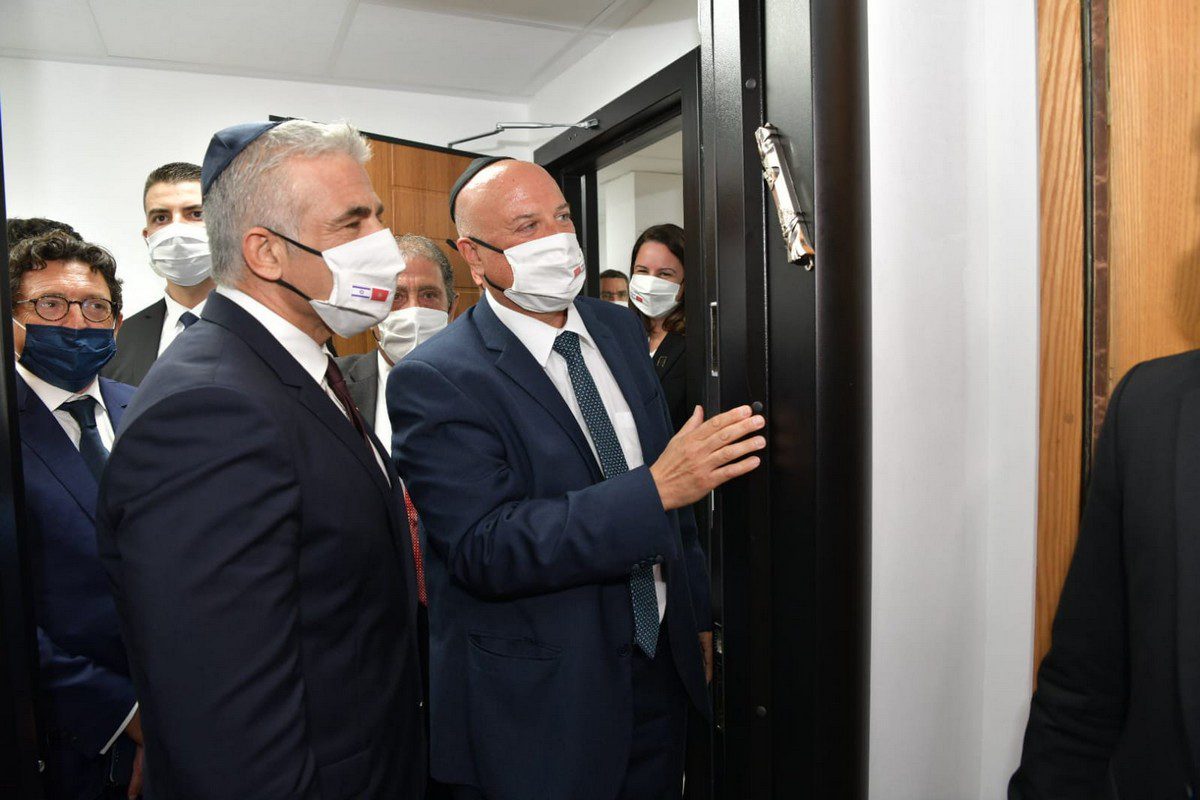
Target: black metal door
column 790, row 542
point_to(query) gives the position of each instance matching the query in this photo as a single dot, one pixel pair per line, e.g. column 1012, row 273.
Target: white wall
column 80, row 139
column 955, row 369
column 659, row 34
column 630, row 204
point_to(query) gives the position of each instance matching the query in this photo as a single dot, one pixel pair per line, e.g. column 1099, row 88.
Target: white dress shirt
column 383, row 423
column 312, row 357
column 53, row 398
column 172, row 326
column 538, row 338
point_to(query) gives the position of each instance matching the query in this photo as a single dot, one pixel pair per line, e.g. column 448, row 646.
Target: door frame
column 20, row 758
column 795, row 534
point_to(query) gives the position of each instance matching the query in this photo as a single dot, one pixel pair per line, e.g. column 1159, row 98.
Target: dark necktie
column 612, row 463
column 188, row 319
column 333, row 376
column 94, row 453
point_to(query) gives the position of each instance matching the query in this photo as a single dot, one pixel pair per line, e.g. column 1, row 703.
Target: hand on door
column 704, row 455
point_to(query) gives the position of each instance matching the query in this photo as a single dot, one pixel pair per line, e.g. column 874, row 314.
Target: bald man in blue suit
column 570, row 620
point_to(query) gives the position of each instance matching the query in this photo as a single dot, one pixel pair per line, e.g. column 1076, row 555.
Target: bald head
column 504, row 193
column 508, row 203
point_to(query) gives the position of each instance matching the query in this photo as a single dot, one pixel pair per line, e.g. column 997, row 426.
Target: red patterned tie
column 416, row 546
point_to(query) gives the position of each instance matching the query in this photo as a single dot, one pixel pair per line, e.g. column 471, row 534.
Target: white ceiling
column 507, row 49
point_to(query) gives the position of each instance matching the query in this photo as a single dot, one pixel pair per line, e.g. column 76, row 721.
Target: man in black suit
column 178, row 243
column 250, row 522
column 1117, row 707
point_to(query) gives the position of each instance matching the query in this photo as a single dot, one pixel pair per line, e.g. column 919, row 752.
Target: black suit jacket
column 260, row 564
column 137, row 345
column 362, row 381
column 670, row 363
column 1117, row 708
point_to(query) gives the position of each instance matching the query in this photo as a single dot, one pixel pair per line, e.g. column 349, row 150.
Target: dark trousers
column 433, row 789
column 660, row 703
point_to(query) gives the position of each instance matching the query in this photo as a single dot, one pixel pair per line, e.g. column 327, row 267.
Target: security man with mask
column 178, row 245
column 251, row 523
column 66, row 308
column 569, row 612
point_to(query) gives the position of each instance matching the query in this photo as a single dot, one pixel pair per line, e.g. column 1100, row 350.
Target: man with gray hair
column 250, row 521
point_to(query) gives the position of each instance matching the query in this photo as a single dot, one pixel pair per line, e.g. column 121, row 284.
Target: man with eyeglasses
column 66, row 306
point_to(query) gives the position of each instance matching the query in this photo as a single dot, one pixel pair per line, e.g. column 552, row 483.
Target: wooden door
column 1120, row 228
column 414, row 183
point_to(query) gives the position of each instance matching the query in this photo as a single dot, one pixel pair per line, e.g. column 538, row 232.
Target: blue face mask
column 69, row 358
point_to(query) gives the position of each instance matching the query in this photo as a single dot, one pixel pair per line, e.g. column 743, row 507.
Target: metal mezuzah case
column 779, row 180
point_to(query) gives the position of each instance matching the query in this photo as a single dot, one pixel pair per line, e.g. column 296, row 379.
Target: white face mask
column 179, row 253
column 364, row 280
column 547, row 273
column 401, row 331
column 653, row 296
column 621, row 303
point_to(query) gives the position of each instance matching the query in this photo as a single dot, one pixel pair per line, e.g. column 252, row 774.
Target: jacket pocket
column 346, row 777
column 512, row 688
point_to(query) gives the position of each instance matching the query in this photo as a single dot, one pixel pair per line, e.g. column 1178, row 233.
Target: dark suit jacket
column 137, row 345
column 362, row 381
column 85, row 688
column 528, row 558
column 1117, row 708
column 670, row 364
column 259, row 560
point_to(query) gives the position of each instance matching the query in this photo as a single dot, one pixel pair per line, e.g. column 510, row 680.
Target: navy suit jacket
column 528, row 558
column 85, row 688
column 261, row 567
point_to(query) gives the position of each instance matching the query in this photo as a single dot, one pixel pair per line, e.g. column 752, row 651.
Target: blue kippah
column 225, row 146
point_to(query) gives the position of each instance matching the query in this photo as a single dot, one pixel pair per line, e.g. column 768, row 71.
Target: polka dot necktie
column 612, row 462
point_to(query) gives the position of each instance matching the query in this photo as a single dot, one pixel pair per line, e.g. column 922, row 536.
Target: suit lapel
column 229, row 315
column 323, row 408
column 114, row 406
column 619, row 363
column 145, row 344
column 43, row 434
column 515, row 361
column 1187, row 531
column 362, row 381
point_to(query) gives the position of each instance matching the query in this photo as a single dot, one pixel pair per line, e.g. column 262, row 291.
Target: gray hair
column 254, row 191
column 420, row 246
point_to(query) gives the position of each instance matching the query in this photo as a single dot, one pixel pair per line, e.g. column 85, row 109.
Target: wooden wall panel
column 1060, row 93
column 1155, row 232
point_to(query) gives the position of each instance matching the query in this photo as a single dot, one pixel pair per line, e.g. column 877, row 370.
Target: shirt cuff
column 120, row 730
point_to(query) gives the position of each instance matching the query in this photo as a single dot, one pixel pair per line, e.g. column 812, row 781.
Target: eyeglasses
column 53, row 307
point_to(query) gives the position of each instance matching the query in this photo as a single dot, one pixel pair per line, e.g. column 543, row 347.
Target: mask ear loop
column 454, row 246
column 303, row 247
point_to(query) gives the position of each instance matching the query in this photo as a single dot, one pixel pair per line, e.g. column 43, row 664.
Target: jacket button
column 623, row 650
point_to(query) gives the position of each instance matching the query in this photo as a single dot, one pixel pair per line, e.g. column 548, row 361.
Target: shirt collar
column 53, row 397
column 537, row 336
column 311, row 356
column 175, row 310
column 384, row 366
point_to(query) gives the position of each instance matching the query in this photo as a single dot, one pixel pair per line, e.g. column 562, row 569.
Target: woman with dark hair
column 656, row 291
